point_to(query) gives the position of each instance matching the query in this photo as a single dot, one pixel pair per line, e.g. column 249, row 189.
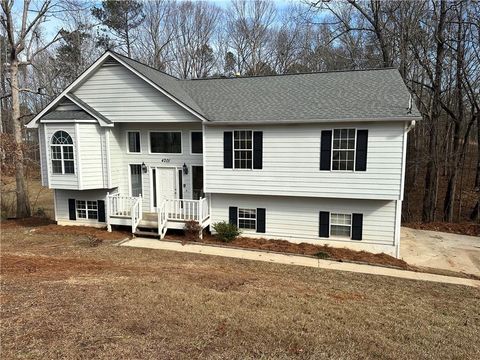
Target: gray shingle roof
column 88, row 108
column 378, row 94
column 342, row 95
column 68, row 115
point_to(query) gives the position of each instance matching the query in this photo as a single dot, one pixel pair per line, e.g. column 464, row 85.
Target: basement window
column 341, row 225
column 87, row 209
column 247, row 219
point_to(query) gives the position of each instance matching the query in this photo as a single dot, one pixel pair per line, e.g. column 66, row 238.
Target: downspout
column 398, row 203
column 411, row 126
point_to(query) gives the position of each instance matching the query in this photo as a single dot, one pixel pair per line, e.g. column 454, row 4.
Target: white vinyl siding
column 93, row 157
column 297, row 218
column 121, row 158
column 61, row 203
column 122, row 96
column 90, row 157
column 291, row 159
column 117, row 158
column 61, row 181
column 43, row 154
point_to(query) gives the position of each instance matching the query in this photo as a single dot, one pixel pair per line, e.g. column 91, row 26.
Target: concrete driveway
column 441, row 250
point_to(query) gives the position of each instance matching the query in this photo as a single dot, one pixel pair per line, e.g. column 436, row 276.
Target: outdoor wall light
column 144, row 168
column 185, row 169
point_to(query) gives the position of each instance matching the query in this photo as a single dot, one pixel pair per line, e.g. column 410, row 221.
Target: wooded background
column 46, row 44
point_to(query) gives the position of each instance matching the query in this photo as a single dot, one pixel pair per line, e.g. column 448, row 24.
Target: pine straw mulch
column 320, row 251
column 463, row 228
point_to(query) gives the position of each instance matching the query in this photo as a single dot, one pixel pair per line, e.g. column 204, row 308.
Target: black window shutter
column 357, row 226
column 227, row 150
column 101, row 210
column 361, row 155
column 324, row 230
column 72, row 210
column 257, row 149
column 326, row 150
column 232, row 215
column 261, row 220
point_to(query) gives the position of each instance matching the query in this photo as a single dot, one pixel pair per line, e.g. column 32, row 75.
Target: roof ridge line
column 141, row 63
column 300, row 73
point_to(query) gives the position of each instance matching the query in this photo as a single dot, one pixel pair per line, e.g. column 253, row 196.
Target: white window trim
column 139, row 138
column 354, row 149
column 191, row 142
column 165, row 131
column 86, row 210
column 62, row 159
column 330, row 225
column 233, row 150
column 130, row 178
column 255, row 219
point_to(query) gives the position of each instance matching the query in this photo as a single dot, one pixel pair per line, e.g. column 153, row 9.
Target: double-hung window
column 247, row 219
column 196, row 142
column 243, row 149
column 135, row 180
column 87, row 209
column 343, row 149
column 62, row 153
column 166, row 142
column 133, row 141
column 341, row 225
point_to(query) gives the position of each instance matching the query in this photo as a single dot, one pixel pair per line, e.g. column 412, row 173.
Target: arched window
column 62, row 153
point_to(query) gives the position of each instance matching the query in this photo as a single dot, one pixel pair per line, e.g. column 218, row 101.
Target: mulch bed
column 321, row 251
column 464, row 228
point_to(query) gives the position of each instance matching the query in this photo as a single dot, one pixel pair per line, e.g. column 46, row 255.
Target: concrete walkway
column 294, row 260
column 441, row 250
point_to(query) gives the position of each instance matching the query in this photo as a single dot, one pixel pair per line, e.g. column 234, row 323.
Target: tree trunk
column 449, row 200
column 431, row 176
column 475, row 215
column 23, row 203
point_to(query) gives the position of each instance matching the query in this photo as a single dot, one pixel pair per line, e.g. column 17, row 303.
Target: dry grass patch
column 60, row 299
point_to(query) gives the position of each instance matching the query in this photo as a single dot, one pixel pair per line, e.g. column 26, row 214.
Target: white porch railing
column 119, row 205
column 162, row 220
column 136, row 213
column 127, row 210
column 185, row 210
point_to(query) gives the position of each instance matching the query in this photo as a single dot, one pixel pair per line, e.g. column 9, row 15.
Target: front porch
column 170, row 214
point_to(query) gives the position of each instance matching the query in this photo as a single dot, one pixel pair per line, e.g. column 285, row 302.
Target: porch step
column 150, row 224
column 146, row 233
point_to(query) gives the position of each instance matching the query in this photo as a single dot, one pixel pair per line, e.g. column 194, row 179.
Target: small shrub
column 40, row 212
column 322, row 255
column 225, row 231
column 192, row 230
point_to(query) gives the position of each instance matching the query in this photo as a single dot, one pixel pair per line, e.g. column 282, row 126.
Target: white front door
column 166, row 184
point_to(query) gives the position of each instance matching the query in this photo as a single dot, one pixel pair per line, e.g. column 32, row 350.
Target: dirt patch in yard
column 320, row 251
column 26, row 223
column 18, row 265
column 465, row 228
column 46, row 226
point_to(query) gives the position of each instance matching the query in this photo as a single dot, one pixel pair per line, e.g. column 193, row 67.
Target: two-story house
column 316, row 158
